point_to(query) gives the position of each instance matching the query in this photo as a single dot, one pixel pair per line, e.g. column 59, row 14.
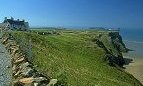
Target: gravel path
column 5, row 72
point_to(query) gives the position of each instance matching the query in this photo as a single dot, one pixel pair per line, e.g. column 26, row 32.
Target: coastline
column 134, row 65
column 135, row 68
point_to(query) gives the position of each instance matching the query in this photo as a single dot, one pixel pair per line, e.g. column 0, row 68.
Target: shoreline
column 139, row 42
column 135, row 59
column 135, row 67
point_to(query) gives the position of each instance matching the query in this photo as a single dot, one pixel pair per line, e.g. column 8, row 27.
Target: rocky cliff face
column 113, row 45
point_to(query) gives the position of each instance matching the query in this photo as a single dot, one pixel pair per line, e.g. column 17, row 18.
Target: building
column 11, row 24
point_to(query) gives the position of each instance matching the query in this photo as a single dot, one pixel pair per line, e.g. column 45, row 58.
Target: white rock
column 35, row 84
column 52, row 82
column 26, row 80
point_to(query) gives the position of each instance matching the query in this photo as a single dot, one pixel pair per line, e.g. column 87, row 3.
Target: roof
column 16, row 22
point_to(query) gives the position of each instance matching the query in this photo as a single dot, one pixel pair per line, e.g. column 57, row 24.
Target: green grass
column 74, row 59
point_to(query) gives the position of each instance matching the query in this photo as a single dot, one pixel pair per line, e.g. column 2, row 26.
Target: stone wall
column 23, row 71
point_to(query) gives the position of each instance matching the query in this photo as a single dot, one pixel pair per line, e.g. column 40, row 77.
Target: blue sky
column 82, row 13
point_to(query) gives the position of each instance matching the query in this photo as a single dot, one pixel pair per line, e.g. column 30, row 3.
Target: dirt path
column 5, row 72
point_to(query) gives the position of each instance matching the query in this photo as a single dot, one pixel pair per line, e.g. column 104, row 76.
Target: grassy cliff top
column 74, row 58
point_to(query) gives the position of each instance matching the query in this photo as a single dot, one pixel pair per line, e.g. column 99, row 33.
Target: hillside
column 78, row 58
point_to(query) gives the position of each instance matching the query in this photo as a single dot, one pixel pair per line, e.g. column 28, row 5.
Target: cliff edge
column 113, row 45
column 73, row 57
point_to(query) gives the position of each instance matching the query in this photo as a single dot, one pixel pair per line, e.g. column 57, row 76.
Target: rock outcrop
column 23, row 71
column 113, row 45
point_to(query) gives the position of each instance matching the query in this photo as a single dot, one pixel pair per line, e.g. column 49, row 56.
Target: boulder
column 39, row 79
column 32, row 80
column 14, row 49
column 15, row 69
column 26, row 80
column 36, row 84
column 26, row 64
column 4, row 40
column 19, row 60
column 18, row 55
column 52, row 82
column 17, row 74
column 10, row 43
column 28, row 72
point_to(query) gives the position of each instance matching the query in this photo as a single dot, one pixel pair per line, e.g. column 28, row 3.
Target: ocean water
column 132, row 34
column 133, row 39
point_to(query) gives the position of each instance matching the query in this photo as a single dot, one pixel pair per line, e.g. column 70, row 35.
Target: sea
column 133, row 39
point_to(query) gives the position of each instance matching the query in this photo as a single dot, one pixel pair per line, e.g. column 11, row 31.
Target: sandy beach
column 135, row 68
column 134, row 64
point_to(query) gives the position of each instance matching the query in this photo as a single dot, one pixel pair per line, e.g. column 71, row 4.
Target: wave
column 140, row 42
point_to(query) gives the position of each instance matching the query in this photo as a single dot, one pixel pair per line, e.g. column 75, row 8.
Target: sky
column 75, row 13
